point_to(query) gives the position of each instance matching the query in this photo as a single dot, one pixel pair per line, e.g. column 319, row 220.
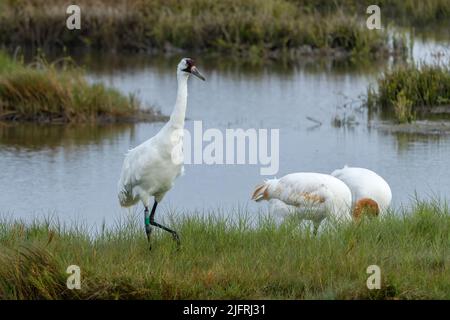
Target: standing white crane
column 150, row 169
column 370, row 192
column 309, row 195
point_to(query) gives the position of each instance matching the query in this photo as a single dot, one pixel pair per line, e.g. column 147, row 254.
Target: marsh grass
column 247, row 28
column 417, row 13
column 251, row 28
column 223, row 258
column 411, row 89
column 59, row 92
column 406, row 12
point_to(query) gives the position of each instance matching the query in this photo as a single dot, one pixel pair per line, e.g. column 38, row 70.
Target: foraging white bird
column 151, row 168
column 369, row 191
column 311, row 196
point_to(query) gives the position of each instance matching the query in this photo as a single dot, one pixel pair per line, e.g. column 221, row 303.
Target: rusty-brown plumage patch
column 366, row 207
column 266, row 194
column 313, row 197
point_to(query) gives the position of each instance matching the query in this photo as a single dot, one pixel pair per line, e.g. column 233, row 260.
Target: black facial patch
column 190, row 64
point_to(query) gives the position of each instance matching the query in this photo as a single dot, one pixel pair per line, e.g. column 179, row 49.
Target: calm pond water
column 72, row 171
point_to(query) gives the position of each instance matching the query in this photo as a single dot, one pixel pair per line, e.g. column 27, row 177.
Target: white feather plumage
column 308, row 195
column 365, row 184
column 150, row 169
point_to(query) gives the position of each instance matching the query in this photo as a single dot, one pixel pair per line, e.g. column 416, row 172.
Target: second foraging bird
column 150, row 169
column 370, row 192
column 311, row 196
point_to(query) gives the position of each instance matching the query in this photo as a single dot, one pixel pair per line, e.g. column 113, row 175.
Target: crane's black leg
column 316, row 228
column 148, row 228
column 153, row 223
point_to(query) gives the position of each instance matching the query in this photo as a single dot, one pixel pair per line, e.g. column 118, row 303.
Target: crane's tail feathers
column 260, row 192
column 126, row 199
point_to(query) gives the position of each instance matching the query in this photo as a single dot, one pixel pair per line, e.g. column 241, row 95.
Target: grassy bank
column 229, row 259
column 248, row 28
column 417, row 13
column 59, row 92
column 413, row 89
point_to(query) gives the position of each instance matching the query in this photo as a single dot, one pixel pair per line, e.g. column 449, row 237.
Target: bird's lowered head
column 187, row 67
column 264, row 190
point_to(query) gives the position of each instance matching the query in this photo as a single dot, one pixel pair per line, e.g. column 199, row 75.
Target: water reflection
column 110, row 63
column 410, row 141
column 32, row 137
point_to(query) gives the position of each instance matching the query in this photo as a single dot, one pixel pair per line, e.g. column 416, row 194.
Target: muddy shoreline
column 427, row 127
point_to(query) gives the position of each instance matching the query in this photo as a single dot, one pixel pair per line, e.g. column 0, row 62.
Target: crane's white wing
column 304, row 191
column 139, row 162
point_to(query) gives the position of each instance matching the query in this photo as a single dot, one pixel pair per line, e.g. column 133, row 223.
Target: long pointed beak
column 197, row 73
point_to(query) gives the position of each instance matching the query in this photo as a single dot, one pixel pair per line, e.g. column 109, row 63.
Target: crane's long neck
column 179, row 111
